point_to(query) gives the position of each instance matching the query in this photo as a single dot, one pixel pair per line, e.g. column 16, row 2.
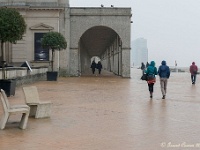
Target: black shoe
column 163, row 97
column 151, row 96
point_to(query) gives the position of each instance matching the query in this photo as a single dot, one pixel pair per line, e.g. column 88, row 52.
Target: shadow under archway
column 102, row 42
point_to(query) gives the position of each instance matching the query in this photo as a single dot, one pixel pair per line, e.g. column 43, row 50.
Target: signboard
column 26, row 64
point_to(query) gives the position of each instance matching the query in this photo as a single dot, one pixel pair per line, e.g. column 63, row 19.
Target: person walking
column 193, row 71
column 164, row 74
column 151, row 72
column 147, row 64
column 99, row 66
column 142, row 68
column 93, row 66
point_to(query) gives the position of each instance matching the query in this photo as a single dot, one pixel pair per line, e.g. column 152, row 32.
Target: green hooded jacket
column 151, row 69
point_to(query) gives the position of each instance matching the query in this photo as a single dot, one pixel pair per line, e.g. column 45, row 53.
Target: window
column 41, row 54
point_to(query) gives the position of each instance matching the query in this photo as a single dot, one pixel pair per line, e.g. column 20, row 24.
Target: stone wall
column 24, row 76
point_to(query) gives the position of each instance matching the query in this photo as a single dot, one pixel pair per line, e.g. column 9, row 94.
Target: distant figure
column 93, row 66
column 175, row 63
column 147, row 64
column 176, row 69
column 99, row 67
column 193, row 71
column 164, row 73
column 151, row 72
column 142, row 67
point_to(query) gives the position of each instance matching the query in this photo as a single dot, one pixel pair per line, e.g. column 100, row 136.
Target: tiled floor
column 110, row 113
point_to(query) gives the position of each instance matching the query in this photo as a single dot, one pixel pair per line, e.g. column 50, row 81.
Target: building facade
column 102, row 32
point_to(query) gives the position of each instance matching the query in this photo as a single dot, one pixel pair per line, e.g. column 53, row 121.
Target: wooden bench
column 37, row 108
column 8, row 110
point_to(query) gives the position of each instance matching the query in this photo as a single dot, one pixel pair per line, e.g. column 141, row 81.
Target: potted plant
column 53, row 41
column 12, row 28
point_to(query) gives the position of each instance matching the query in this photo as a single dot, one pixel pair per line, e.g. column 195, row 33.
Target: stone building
column 92, row 31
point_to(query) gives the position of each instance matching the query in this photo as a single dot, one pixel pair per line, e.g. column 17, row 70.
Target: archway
column 103, row 43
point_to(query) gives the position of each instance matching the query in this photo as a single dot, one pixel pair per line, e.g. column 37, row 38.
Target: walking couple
column 94, row 66
column 164, row 74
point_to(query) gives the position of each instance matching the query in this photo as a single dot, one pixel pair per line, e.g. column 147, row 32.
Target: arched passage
column 100, row 31
column 102, row 42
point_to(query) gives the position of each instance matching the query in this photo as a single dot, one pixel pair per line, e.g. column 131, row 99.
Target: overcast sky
column 171, row 27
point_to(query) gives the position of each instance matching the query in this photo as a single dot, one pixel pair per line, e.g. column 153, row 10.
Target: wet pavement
column 110, row 113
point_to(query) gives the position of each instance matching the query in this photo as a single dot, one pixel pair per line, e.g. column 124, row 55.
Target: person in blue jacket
column 164, row 74
column 151, row 72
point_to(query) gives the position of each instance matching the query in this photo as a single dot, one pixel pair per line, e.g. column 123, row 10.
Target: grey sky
column 171, row 27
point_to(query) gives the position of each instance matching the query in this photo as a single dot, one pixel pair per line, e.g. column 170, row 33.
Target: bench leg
column 43, row 110
column 33, row 109
column 24, row 121
column 4, row 121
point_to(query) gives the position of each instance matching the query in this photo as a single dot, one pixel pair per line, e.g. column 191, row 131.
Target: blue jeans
column 193, row 78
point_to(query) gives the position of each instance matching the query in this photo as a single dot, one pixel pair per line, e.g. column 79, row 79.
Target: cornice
column 41, row 26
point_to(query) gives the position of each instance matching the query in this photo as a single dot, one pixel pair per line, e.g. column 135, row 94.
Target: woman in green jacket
column 151, row 78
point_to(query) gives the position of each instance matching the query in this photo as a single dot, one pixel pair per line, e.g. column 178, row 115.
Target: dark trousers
column 143, row 71
column 99, row 71
column 93, row 70
column 151, row 87
column 193, row 78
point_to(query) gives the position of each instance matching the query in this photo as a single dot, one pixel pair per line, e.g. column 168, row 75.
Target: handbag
column 144, row 77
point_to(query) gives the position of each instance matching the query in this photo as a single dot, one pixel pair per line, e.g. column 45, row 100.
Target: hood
column 193, row 63
column 152, row 63
column 163, row 62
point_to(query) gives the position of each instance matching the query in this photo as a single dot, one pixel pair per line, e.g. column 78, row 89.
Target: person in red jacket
column 193, row 71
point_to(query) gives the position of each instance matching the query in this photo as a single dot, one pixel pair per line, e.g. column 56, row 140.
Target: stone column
column 74, row 67
column 64, row 28
column 126, row 62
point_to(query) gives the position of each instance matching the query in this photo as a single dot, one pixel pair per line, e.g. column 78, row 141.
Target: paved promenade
column 110, row 113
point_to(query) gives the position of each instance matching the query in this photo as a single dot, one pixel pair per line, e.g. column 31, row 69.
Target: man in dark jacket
column 99, row 67
column 164, row 74
column 193, row 71
column 93, row 66
column 142, row 67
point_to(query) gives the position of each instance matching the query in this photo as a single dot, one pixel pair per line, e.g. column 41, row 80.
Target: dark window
column 41, row 54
